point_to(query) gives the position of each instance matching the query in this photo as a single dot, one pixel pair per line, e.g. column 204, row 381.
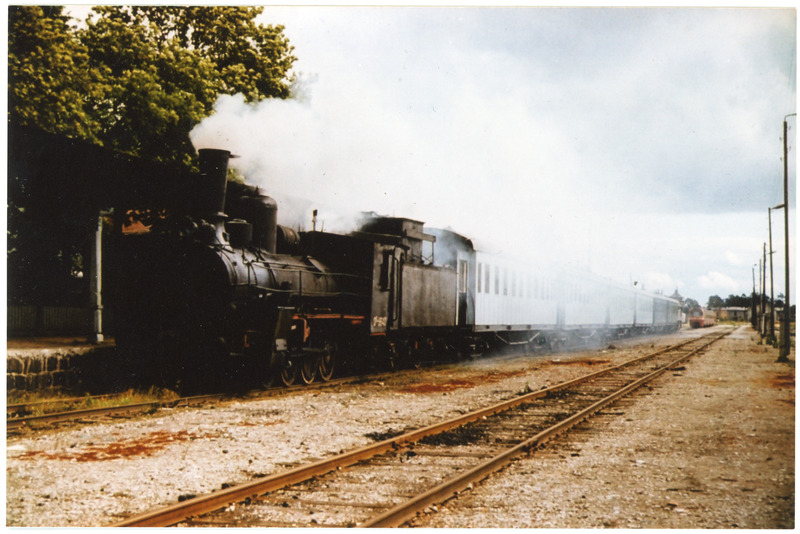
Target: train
column 700, row 317
column 223, row 289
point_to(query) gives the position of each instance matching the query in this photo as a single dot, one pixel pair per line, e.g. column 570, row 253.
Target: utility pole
column 754, row 318
column 764, row 290
column 771, row 283
column 761, row 298
column 786, row 346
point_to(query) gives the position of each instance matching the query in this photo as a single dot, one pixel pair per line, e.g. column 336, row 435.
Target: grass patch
column 38, row 403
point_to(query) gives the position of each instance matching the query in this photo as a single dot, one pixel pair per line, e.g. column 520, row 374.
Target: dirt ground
column 709, row 446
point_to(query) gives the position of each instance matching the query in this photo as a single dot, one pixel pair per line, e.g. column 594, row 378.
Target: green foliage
column 51, row 80
column 738, row 301
column 139, row 78
column 689, row 303
column 250, row 59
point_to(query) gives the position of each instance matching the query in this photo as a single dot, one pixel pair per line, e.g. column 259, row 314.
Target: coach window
column 480, row 276
column 497, row 280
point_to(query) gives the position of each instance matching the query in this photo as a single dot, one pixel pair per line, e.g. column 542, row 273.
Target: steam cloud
column 345, row 155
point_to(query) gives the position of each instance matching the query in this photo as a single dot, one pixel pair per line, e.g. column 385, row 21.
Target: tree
column 251, row 59
column 50, row 78
column 690, row 303
column 714, row 301
column 740, row 301
column 138, row 79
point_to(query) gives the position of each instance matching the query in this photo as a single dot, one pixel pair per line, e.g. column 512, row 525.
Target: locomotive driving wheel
column 308, row 368
column 327, row 361
column 288, row 373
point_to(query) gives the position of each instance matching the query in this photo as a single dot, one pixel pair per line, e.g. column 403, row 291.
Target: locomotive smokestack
column 214, row 173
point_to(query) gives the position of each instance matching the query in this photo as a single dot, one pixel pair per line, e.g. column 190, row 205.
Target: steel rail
column 409, row 509
column 203, row 504
column 18, row 422
column 19, row 407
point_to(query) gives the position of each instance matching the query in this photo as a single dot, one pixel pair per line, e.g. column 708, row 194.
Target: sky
column 642, row 144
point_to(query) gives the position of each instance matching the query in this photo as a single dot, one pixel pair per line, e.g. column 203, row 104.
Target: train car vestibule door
column 461, row 308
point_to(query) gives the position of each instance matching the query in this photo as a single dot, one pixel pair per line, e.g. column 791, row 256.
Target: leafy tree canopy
column 50, row 77
column 689, row 303
column 139, row 78
column 739, row 301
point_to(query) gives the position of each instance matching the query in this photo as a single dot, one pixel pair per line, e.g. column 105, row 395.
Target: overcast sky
column 642, row 144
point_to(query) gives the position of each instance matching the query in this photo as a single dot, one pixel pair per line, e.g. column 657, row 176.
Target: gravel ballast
column 731, row 411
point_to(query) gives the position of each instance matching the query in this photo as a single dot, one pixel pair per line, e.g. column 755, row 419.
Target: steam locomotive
column 225, row 289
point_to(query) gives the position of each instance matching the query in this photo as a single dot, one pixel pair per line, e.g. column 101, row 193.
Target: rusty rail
column 72, row 415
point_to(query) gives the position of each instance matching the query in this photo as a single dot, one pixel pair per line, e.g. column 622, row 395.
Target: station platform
column 52, row 343
column 45, row 363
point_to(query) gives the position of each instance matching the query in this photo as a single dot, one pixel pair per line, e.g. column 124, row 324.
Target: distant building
column 733, row 313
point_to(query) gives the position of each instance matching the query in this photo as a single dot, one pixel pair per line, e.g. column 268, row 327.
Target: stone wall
column 62, row 368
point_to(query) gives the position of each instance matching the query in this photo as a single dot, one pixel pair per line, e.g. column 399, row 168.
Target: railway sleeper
column 485, row 453
column 332, row 503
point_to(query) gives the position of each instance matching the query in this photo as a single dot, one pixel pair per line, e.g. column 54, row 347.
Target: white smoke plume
column 345, row 154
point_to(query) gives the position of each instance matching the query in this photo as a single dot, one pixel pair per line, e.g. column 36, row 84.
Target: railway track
column 391, row 481
column 16, row 423
column 16, row 418
column 23, row 409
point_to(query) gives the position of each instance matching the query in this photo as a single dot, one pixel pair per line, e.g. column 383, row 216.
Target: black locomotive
column 228, row 290
column 225, row 289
